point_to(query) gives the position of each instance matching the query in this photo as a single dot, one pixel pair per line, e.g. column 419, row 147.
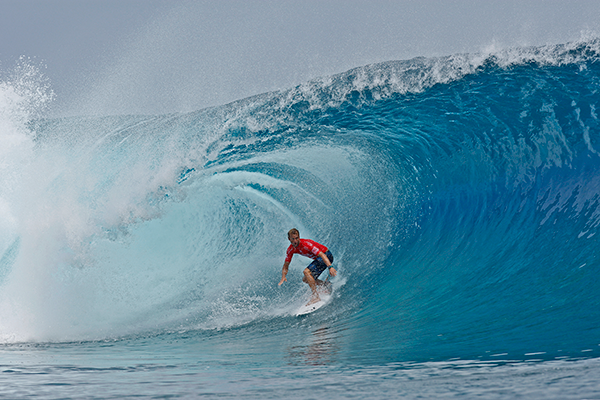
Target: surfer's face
column 294, row 240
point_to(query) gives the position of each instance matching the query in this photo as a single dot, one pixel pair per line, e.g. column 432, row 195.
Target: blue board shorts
column 318, row 266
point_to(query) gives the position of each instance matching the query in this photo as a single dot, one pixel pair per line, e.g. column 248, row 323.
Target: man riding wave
column 309, row 248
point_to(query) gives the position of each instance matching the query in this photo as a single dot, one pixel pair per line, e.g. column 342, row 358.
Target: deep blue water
column 140, row 255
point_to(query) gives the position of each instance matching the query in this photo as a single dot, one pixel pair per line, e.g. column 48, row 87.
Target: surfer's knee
column 307, row 274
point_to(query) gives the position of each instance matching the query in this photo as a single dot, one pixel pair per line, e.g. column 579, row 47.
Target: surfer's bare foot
column 314, row 300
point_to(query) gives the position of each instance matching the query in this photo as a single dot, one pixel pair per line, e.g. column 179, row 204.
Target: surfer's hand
column 284, row 279
column 332, row 271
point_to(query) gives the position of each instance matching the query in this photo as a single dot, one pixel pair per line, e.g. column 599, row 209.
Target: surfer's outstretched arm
column 284, row 272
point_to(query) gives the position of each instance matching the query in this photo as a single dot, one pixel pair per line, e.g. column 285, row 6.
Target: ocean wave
column 459, row 195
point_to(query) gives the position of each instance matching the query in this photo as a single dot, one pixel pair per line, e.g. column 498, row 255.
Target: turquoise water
column 140, row 255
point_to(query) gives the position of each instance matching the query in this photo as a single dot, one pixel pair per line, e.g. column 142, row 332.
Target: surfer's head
column 294, row 237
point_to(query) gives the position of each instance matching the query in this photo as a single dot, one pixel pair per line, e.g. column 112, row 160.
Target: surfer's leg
column 311, row 276
column 308, row 278
column 320, row 284
column 317, row 267
column 317, row 281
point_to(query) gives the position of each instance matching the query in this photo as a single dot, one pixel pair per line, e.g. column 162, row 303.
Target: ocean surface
column 460, row 196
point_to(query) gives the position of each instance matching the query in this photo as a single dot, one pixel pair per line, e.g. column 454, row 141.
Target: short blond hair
column 293, row 231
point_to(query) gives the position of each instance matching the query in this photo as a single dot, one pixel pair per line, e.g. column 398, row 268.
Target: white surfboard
column 325, row 297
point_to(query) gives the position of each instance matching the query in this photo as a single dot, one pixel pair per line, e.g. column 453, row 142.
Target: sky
column 161, row 56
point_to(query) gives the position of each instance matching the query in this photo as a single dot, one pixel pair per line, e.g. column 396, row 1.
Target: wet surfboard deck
column 325, row 296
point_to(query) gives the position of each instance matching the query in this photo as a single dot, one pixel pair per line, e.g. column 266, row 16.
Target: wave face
column 459, row 195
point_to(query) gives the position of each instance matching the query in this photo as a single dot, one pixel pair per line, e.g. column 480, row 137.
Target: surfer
column 320, row 254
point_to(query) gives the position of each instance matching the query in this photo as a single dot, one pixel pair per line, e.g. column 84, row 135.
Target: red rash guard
column 307, row 248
